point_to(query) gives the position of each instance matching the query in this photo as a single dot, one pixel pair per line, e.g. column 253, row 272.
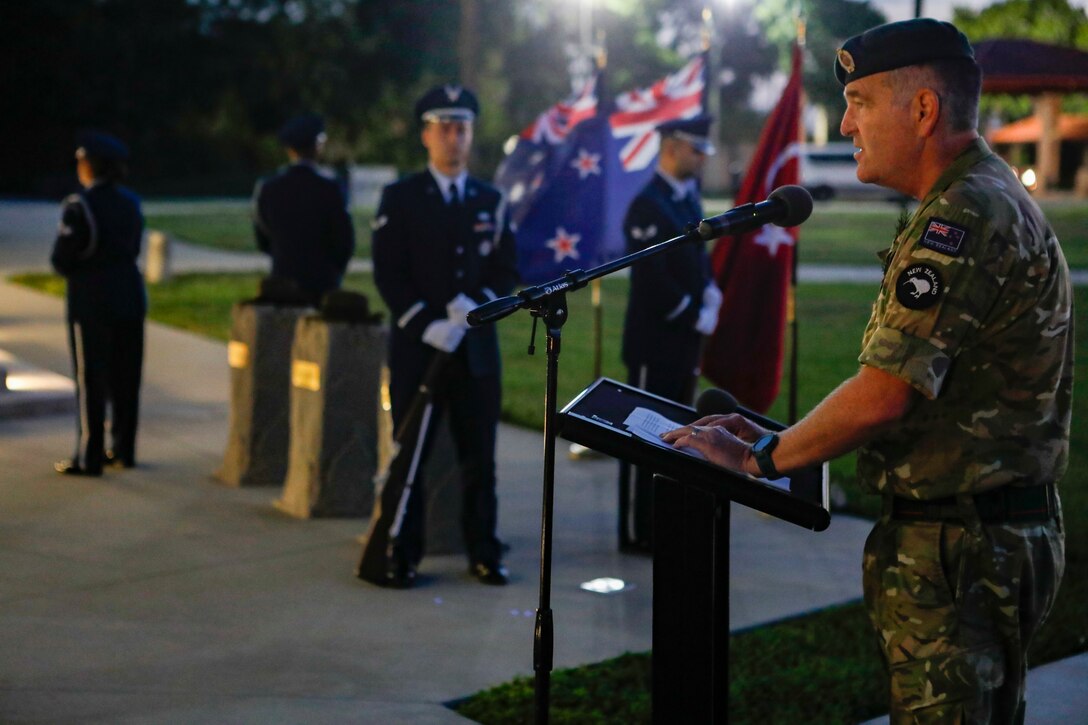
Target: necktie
column 455, row 198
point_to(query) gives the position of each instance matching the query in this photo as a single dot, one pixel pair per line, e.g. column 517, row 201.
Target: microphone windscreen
column 798, row 203
column 715, row 402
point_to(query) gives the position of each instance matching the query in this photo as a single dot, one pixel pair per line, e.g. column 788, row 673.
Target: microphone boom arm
column 533, row 297
column 790, row 205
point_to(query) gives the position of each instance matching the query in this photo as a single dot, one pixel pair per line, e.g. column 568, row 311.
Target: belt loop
column 965, row 502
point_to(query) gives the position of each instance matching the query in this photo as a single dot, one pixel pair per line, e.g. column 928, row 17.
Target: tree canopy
column 199, row 87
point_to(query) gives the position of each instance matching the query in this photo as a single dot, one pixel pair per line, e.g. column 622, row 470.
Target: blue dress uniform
column 661, row 345
column 96, row 250
column 301, row 219
column 426, row 253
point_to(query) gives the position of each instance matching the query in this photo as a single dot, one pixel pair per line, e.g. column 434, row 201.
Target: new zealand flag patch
column 944, row 237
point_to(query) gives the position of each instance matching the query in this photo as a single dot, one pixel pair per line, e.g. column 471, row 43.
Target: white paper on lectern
column 649, row 425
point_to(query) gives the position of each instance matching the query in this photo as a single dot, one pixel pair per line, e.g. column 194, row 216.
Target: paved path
column 159, row 596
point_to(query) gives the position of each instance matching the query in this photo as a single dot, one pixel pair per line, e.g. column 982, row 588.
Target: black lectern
column 691, row 537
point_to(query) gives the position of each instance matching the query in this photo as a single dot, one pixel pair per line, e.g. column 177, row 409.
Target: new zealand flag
column 574, row 171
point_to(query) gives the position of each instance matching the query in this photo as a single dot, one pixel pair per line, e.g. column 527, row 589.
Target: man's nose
column 847, row 125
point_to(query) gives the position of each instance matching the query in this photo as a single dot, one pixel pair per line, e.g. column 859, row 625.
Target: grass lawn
column 836, row 233
column 821, row 667
column 231, row 228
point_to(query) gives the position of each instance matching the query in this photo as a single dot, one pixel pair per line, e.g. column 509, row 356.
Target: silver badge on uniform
column 379, row 222
column 485, row 248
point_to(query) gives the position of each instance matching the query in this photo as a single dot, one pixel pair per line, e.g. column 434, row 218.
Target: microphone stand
column 548, row 301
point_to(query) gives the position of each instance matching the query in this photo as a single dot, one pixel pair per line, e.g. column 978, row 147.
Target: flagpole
column 577, row 451
column 595, row 288
column 791, row 301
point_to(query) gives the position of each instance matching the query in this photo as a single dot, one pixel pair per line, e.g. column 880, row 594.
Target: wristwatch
column 761, row 451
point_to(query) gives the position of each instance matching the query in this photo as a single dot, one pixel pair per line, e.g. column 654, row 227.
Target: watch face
column 764, row 443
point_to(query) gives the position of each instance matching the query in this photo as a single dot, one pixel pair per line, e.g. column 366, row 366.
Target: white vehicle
column 830, row 172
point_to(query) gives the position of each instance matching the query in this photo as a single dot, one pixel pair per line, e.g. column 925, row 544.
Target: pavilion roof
column 1027, row 66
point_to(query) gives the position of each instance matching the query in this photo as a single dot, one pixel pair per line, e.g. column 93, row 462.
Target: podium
column 690, row 675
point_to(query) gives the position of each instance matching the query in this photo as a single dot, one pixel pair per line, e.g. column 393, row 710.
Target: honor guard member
column 442, row 246
column 95, row 251
column 300, row 215
column 961, row 407
column 673, row 301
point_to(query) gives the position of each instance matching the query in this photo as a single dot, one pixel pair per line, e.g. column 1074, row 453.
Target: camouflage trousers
column 955, row 606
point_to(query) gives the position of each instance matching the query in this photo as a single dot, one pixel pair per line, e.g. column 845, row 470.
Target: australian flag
column 574, row 171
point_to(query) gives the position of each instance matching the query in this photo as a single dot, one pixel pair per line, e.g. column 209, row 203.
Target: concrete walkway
column 157, row 595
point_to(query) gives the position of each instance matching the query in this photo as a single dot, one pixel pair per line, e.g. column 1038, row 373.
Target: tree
column 1048, row 21
column 828, row 23
column 199, row 87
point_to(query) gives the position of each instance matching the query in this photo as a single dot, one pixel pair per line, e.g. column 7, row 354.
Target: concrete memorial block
column 259, row 355
column 335, row 410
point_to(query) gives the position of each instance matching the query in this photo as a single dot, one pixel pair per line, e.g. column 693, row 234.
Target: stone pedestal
column 259, row 354
column 335, row 412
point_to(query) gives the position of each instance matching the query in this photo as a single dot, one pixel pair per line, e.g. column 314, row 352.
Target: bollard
column 157, row 266
column 333, row 456
column 259, row 356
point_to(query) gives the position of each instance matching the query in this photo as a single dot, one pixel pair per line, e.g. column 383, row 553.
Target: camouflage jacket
column 975, row 311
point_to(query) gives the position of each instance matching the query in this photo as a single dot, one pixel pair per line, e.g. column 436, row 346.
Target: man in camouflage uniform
column 960, row 411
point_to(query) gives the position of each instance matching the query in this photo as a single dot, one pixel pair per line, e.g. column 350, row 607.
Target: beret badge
column 846, row 60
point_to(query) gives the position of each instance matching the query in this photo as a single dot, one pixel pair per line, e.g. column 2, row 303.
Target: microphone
column 715, row 401
column 787, row 206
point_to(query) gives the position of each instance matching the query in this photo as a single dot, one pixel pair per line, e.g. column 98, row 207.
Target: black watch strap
column 761, row 451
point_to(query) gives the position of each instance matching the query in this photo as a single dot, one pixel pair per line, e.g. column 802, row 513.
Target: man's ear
column 926, row 112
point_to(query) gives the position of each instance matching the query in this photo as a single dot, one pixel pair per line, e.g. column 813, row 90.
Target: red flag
column 744, row 355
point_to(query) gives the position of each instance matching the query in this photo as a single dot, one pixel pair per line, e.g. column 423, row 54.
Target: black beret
column 301, row 132
column 448, row 103
column 100, row 145
column 896, row 45
column 695, row 130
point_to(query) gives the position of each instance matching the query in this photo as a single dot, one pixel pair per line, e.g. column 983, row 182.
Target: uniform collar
column 975, row 151
column 444, row 182
column 680, row 189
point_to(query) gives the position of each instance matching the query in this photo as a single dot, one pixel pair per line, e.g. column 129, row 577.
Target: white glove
column 708, row 320
column 443, row 335
column 712, row 297
column 458, row 308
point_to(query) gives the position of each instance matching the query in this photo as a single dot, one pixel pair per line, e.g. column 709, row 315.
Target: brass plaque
column 306, row 375
column 237, row 354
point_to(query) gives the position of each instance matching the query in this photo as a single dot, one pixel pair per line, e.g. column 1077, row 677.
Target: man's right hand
column 443, row 335
column 735, row 423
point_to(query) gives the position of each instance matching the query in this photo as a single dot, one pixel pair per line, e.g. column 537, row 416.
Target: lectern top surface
column 624, row 422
